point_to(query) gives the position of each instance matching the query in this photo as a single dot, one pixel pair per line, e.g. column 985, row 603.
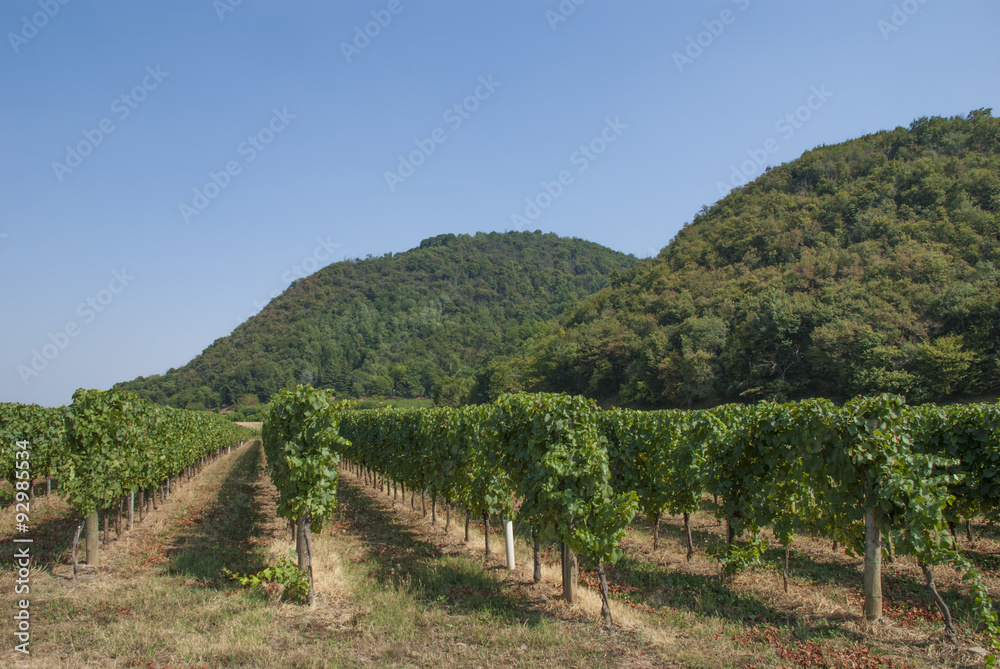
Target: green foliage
column 740, row 554
column 117, row 443
column 396, row 324
column 864, row 267
column 580, row 474
column 301, row 441
column 43, row 428
column 816, row 467
column 550, row 447
column 284, row 572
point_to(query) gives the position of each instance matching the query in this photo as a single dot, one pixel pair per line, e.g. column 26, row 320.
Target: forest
column 863, row 267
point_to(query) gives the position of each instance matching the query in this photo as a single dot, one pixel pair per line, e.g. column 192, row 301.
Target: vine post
column 93, row 540
column 873, row 566
column 300, row 542
column 509, row 543
column 569, row 574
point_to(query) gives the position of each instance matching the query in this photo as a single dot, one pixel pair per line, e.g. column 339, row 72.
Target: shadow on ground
column 400, row 557
column 229, row 535
column 51, row 532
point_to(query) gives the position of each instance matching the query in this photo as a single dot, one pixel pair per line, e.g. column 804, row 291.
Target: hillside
column 862, row 267
column 411, row 324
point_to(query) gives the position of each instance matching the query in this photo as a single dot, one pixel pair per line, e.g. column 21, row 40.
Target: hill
column 862, row 267
column 407, row 324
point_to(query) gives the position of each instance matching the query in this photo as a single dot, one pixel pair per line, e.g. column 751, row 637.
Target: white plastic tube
column 509, row 541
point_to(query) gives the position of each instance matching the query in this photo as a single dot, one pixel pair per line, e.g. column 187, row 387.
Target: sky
column 169, row 166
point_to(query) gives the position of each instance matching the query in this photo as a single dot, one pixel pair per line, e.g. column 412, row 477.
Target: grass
column 396, row 590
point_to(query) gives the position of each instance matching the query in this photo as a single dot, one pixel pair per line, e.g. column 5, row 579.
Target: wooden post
column 873, row 566
column 536, row 556
column 569, row 573
column 76, row 544
column 93, row 540
column 486, row 532
column 307, row 533
column 687, row 531
column 300, row 543
column 131, row 510
column 509, row 543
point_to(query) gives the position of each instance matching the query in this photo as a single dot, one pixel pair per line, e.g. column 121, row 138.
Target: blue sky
column 168, row 166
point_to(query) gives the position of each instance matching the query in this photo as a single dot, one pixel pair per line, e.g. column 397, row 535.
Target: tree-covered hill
column 868, row 266
column 411, row 324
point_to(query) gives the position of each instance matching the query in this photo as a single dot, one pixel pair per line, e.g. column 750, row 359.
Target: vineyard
column 873, row 478
column 104, row 449
column 875, row 475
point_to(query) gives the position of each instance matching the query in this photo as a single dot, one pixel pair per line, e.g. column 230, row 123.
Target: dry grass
column 396, row 590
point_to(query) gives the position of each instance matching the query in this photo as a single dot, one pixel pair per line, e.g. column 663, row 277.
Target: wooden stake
column 300, row 543
column 486, row 532
column 93, row 540
column 873, row 566
column 307, row 531
column 76, row 543
column 687, row 531
column 784, row 574
column 569, row 575
column 537, row 556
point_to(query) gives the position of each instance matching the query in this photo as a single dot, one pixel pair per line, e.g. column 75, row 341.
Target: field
column 396, row 590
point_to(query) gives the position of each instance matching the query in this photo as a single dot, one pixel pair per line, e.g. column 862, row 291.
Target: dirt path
column 397, row 590
column 158, row 598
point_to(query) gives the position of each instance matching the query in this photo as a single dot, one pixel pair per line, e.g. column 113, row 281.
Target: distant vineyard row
column 106, row 445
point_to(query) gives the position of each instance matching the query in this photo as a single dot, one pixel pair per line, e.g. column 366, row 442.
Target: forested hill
column 400, row 324
column 862, row 267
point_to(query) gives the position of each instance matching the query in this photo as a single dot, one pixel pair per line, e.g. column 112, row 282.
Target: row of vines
column 874, row 474
column 105, row 447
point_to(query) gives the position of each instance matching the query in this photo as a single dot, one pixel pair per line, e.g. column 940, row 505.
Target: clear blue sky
column 160, row 95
